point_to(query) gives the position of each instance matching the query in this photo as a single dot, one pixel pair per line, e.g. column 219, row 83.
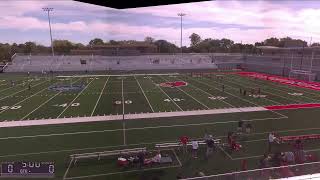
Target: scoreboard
column 26, row 169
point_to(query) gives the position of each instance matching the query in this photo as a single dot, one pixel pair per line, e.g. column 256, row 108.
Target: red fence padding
column 302, row 137
column 283, row 80
column 293, row 106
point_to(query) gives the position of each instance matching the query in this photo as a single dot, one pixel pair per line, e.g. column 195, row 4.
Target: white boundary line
column 129, row 117
column 166, row 95
column 108, row 174
column 144, row 94
column 154, row 127
column 75, row 99
column 117, row 146
column 99, row 96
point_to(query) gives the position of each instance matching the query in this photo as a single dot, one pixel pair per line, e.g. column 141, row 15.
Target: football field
column 108, row 112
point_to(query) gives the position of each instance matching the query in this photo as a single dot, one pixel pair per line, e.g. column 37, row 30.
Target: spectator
column 195, row 146
column 272, row 139
column 141, row 157
column 210, row 145
column 264, row 162
column 157, row 157
column 248, row 128
column 240, row 126
column 184, row 141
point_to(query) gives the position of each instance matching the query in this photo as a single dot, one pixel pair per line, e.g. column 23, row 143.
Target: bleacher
column 27, row 63
column 178, row 144
column 100, row 155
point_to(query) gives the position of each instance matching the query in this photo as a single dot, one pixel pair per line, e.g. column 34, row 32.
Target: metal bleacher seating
column 27, row 63
column 178, row 144
column 99, row 155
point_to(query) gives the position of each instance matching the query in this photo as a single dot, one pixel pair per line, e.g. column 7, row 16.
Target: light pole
column 181, row 14
column 48, row 10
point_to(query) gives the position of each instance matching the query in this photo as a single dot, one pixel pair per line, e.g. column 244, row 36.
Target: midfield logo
column 173, row 84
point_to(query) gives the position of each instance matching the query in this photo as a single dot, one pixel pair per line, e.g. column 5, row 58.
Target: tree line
column 197, row 45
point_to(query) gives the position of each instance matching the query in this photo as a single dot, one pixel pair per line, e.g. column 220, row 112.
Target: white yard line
column 66, row 173
column 278, row 88
column 171, row 100
column 210, row 94
column 10, row 87
column 75, row 98
column 225, row 152
column 116, row 75
column 297, row 101
column 40, row 106
column 175, row 154
column 239, row 97
column 276, row 102
column 144, row 94
column 95, row 106
column 189, row 95
column 28, row 97
column 194, row 98
column 22, row 90
column 123, row 123
column 43, row 104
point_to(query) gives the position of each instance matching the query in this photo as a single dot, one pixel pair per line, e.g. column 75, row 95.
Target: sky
column 245, row 21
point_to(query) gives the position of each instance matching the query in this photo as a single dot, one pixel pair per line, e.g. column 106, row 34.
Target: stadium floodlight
column 48, row 10
column 181, row 15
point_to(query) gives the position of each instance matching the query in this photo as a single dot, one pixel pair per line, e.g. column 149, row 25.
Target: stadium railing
column 267, row 173
column 99, row 155
column 178, row 144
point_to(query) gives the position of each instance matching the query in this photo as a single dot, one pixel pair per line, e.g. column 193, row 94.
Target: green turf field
column 129, row 95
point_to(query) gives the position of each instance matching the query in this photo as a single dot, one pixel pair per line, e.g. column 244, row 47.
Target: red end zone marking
column 293, row 106
column 283, row 80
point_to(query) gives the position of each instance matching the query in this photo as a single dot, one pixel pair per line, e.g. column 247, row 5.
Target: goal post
column 302, row 75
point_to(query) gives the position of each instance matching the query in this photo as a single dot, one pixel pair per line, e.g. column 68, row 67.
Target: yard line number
column 217, row 97
column 174, row 99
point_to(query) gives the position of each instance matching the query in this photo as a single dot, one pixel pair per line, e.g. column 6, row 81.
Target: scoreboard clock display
column 28, row 169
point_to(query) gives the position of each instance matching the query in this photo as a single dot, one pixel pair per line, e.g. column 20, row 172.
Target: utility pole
column 181, row 15
column 48, row 10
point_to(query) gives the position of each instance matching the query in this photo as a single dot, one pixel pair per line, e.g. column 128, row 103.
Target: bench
column 178, row 144
column 98, row 155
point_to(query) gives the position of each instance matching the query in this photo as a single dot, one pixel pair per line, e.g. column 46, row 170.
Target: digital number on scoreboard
column 27, row 169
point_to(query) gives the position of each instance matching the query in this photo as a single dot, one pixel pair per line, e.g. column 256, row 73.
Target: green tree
column 195, row 39
column 272, row 42
column 165, row 46
column 96, row 41
column 30, row 47
column 149, row 39
column 62, row 46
